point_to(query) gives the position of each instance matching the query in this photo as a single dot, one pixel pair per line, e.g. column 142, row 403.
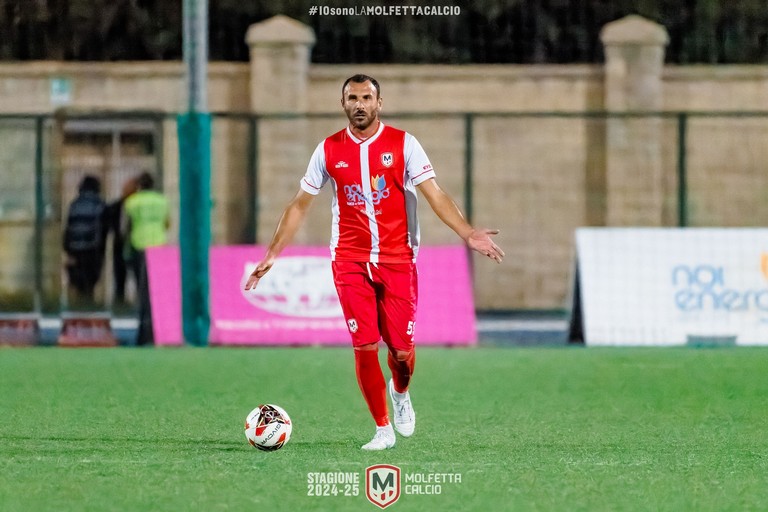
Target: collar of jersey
column 369, row 139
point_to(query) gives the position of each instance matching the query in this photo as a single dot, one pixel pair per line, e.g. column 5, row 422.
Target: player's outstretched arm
column 446, row 209
column 289, row 224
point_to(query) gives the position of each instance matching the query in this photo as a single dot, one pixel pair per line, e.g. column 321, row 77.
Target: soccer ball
column 268, row 427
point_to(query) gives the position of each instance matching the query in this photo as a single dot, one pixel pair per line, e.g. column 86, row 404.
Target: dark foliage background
column 486, row 31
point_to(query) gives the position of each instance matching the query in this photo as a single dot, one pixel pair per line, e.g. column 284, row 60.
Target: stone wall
column 536, row 177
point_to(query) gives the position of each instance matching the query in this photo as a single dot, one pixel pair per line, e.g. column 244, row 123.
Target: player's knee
column 403, row 355
column 367, row 347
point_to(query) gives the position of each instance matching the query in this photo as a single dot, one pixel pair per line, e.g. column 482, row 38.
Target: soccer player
column 374, row 170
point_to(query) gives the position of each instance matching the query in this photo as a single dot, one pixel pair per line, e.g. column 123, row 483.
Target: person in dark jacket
column 85, row 238
column 118, row 225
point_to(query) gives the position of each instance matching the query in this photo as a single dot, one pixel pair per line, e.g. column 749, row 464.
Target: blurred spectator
column 147, row 212
column 84, row 239
column 118, row 225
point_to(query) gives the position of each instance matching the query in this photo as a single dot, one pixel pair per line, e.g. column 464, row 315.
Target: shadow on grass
column 217, row 444
column 214, row 443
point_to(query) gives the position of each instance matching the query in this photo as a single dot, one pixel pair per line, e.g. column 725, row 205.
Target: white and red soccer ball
column 268, row 427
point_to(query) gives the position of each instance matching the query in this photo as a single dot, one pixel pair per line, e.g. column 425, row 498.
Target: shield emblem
column 382, row 484
column 387, row 159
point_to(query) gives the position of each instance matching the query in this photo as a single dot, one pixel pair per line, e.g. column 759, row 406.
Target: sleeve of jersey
column 417, row 163
column 316, row 175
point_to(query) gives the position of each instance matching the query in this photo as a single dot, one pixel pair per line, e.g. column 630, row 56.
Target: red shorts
column 378, row 301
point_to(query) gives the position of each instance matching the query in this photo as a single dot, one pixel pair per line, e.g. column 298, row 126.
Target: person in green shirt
column 148, row 222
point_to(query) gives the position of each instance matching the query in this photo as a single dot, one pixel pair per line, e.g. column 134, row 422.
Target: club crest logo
column 352, row 324
column 387, row 159
column 382, row 484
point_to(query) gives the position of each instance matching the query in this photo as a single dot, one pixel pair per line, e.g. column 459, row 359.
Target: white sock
column 398, row 396
column 385, row 427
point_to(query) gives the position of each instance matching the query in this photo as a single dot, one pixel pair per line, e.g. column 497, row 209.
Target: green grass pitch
column 527, row 428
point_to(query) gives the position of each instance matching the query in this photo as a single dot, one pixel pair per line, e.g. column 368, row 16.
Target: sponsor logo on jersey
column 378, row 183
column 357, row 197
column 341, row 164
column 387, row 159
column 427, row 167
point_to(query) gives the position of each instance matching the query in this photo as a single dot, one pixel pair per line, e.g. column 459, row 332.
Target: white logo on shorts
column 352, row 323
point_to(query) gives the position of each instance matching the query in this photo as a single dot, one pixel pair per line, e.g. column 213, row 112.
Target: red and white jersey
column 374, row 200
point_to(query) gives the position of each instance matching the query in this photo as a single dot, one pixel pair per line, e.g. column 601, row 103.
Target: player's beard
column 364, row 121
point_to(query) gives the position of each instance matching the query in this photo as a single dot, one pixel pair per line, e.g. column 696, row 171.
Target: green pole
column 252, row 177
column 39, row 215
column 682, row 175
column 194, row 131
column 468, row 168
column 195, row 224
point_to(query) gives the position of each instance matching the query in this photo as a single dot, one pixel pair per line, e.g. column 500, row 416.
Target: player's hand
column 480, row 240
column 261, row 269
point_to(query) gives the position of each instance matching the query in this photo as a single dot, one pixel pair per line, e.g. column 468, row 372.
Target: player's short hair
column 361, row 79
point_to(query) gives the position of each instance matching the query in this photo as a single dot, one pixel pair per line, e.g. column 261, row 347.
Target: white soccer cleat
column 383, row 439
column 405, row 416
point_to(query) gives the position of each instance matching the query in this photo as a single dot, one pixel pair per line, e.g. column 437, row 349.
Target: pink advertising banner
column 296, row 302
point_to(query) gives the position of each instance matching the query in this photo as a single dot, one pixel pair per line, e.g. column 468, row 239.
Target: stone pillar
column 280, row 56
column 634, row 182
column 280, row 62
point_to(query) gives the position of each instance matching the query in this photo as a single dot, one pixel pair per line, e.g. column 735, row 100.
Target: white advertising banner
column 668, row 286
